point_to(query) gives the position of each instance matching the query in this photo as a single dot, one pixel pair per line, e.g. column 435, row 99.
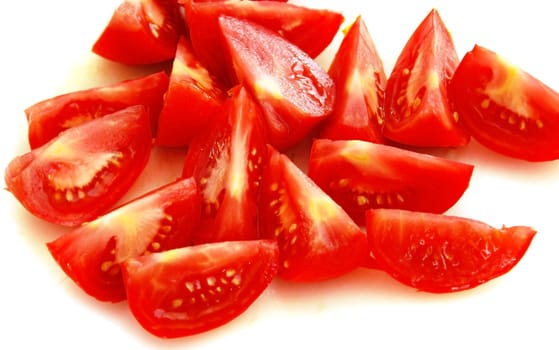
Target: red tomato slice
column 310, row 29
column 358, row 73
column 317, row 239
column 191, row 290
column 159, row 220
column 227, row 164
column 418, row 111
column 505, row 108
column 193, row 99
column 294, row 92
column 85, row 170
column 49, row 117
column 361, row 175
column 141, row 32
column 438, row 253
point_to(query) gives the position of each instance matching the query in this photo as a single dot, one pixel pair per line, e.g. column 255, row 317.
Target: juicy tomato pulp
column 418, row 111
column 438, row 253
column 191, row 290
column 85, row 170
column 48, row 118
column 159, row 220
column 505, row 108
column 317, row 239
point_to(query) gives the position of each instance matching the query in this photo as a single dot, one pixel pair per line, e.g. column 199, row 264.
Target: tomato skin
column 418, row 112
column 194, row 289
column 440, row 254
column 48, row 118
column 361, row 175
column 83, row 171
column 504, row 108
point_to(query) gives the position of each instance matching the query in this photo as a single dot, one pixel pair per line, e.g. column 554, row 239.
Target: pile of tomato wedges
column 241, row 87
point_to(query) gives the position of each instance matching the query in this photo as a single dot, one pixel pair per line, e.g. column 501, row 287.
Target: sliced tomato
column 85, row 170
column 438, row 253
column 310, row 29
column 317, row 239
column 227, row 163
column 358, row 73
column 361, row 175
column 48, row 118
column 418, row 111
column 193, row 99
column 294, row 92
column 191, row 290
column 141, row 32
column 159, row 220
column 505, row 108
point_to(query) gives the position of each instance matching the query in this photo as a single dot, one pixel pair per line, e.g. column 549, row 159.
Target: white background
column 46, row 51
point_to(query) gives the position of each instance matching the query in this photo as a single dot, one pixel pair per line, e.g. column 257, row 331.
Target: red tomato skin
column 141, row 32
column 194, row 289
column 523, row 123
column 295, row 93
column 49, row 117
column 358, row 73
column 441, row 254
column 361, row 175
column 159, row 220
column 418, row 111
column 117, row 146
column 192, row 101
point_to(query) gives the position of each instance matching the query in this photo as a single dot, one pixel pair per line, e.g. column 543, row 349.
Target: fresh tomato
column 190, row 290
column 227, row 163
column 310, row 29
column 505, row 108
column 358, row 73
column 141, row 32
column 439, row 253
column 418, row 111
column 360, row 175
column 192, row 100
column 159, row 220
column 48, row 118
column 85, row 170
column 294, row 92
column 317, row 238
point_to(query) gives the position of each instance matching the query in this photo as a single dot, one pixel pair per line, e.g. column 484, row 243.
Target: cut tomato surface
column 295, row 93
column 358, row 72
column 159, row 220
column 85, row 170
column 418, row 111
column 48, row 118
column 505, row 108
column 190, row 290
column 141, row 32
column 438, row 253
column 361, row 175
column 317, row 238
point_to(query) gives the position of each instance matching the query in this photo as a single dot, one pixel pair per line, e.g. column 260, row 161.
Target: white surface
column 45, row 51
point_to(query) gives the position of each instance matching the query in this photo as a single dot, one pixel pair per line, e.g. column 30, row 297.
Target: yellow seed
column 69, row 196
column 362, row 200
column 400, row 198
column 485, row 103
column 253, row 152
column 203, row 181
column 379, row 199
column 176, row 303
column 292, row 227
column 189, row 286
column 539, row 124
column 81, row 194
column 416, row 103
column 277, row 232
column 405, row 71
column 106, row 265
column 166, row 228
column 230, row 273
column 285, row 264
column 274, row 187
column 236, row 280
column 455, row 116
column 343, row 182
column 211, row 281
column 155, row 246
column 522, row 125
column 293, row 240
column 400, row 100
column 512, row 120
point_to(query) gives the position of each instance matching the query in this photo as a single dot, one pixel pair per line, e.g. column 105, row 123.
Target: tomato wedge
column 317, row 239
column 48, row 118
column 505, row 108
column 191, row 290
column 85, row 170
column 295, row 93
column 160, row 220
column 361, row 175
column 358, row 73
column 418, row 111
column 438, row 253
column 192, row 100
column 141, row 32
